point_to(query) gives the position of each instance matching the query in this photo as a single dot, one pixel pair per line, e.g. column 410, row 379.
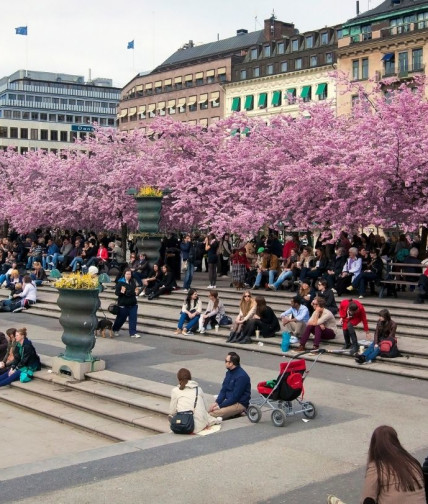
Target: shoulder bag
column 183, row 422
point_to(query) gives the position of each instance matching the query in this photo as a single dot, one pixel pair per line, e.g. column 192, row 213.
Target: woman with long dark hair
column 393, row 476
column 127, row 292
column 264, row 319
column 247, row 308
column 384, row 341
column 190, row 312
column 213, row 314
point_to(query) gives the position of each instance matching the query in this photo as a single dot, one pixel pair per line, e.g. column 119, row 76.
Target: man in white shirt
column 295, row 318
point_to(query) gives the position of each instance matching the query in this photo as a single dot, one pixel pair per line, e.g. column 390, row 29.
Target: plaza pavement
column 244, row 462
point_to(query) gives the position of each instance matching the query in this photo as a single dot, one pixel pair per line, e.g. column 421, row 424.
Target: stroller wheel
column 309, row 410
column 254, row 414
column 278, row 417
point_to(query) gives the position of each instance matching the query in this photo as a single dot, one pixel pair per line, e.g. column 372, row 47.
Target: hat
column 93, row 270
column 260, row 250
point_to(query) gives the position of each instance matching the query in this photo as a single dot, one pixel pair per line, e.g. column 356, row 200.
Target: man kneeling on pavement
column 235, row 393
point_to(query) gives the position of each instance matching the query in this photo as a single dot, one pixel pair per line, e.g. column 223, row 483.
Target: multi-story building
column 42, row 110
column 275, row 73
column 387, row 41
column 190, row 85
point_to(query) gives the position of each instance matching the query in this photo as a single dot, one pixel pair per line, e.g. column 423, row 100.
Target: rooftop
column 388, row 8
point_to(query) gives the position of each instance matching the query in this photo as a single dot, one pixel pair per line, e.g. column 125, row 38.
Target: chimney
column 241, row 31
column 358, row 7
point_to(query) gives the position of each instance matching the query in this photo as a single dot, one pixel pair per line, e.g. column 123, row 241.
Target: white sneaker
column 209, row 287
column 116, row 333
column 16, row 310
column 136, row 336
column 219, row 419
column 202, row 331
column 213, row 287
column 141, row 294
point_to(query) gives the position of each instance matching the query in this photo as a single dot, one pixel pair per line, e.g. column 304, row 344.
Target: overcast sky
column 73, row 36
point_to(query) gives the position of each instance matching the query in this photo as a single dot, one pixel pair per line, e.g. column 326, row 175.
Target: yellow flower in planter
column 148, row 191
column 77, row 281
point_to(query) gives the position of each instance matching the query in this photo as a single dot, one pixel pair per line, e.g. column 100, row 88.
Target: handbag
column 183, row 421
column 225, row 320
column 26, row 375
column 114, row 309
column 385, row 346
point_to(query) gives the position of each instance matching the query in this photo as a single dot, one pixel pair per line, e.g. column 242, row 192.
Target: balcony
column 401, row 72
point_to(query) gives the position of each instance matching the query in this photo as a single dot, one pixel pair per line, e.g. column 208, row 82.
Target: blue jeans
column 34, row 279
column 5, row 379
column 260, row 275
column 188, row 277
column 371, row 352
column 75, row 262
column 185, row 318
column 130, row 313
column 281, row 279
column 56, row 258
column 360, row 282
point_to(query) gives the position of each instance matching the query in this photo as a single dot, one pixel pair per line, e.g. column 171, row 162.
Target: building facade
column 274, row 74
column 387, row 41
column 42, row 110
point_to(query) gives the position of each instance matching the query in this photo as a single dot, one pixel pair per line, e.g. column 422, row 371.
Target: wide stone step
column 26, row 396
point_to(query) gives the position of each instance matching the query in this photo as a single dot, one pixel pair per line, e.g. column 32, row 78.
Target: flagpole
column 26, row 54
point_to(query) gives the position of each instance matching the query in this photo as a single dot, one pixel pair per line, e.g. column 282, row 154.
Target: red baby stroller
column 279, row 396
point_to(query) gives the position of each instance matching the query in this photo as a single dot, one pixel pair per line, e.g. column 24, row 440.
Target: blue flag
column 130, row 45
column 21, row 30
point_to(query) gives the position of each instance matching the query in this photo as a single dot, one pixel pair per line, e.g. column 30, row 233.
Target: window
column 321, row 91
column 38, row 99
column 403, row 63
column 276, row 98
column 306, row 93
column 29, row 98
column 355, row 69
column 192, row 104
column 24, row 133
column 72, row 101
column 199, row 80
column 34, row 116
column 64, row 101
column 298, row 64
column 25, row 115
column 52, row 117
column 54, row 135
column 256, row 72
column 243, row 74
column 188, row 80
column 389, row 61
column 80, row 103
column 249, row 102
column 417, row 59
column 203, row 101
column 314, row 61
column 215, row 99
column 295, row 45
column 366, row 32
column 78, row 119
column 324, row 38
column 280, row 48
column 236, row 104
column 13, row 132
column 262, row 100
column 55, row 100
column 269, row 69
column 7, row 114
column 34, row 134
column 63, row 136
column 43, row 116
column 365, row 68
column 266, row 51
column 61, row 118
column 69, row 118
column 3, row 132
column 309, row 42
column 44, row 134
column 284, row 66
column 16, row 114
column 329, row 58
column 254, row 53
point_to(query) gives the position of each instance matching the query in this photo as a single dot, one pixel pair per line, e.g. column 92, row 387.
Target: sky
column 90, row 37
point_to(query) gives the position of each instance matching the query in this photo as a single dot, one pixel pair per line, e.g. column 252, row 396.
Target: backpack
column 402, row 254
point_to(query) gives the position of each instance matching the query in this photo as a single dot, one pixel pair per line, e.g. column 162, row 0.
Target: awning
column 209, row 73
column 188, row 78
column 158, row 83
column 191, row 100
column 305, row 91
column 199, row 75
column 262, row 99
column 132, row 111
column 181, row 102
column 161, row 105
column 142, row 109
column 123, row 113
column 236, row 104
column 249, row 100
column 388, row 56
column 167, row 82
column 171, row 103
column 221, row 71
column 149, row 86
column 203, row 98
column 178, row 80
column 151, row 107
column 276, row 98
column 139, row 87
column 320, row 89
column 215, row 96
column 291, row 91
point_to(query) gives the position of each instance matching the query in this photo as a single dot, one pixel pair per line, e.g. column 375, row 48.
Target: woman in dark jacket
column 328, row 295
column 164, row 286
column 24, row 356
column 264, row 320
column 127, row 292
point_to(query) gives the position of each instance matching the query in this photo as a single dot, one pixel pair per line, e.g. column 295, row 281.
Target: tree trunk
column 124, row 233
column 424, row 237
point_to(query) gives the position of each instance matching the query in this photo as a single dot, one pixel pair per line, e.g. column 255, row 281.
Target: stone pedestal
column 74, row 369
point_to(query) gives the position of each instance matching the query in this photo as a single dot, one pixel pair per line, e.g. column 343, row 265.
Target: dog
column 102, row 325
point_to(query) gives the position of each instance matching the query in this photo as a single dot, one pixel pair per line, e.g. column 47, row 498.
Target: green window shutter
column 305, row 91
column 236, row 104
column 246, row 131
column 234, row 132
column 321, row 88
column 262, row 99
column 249, row 100
column 276, row 98
column 291, row 91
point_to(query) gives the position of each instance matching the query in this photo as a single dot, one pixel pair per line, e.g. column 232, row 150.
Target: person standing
column 225, row 251
column 192, row 253
column 211, row 247
column 235, row 393
column 127, row 292
column 352, row 313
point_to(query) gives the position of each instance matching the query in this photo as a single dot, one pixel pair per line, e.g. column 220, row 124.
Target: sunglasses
column 226, row 361
column 247, row 295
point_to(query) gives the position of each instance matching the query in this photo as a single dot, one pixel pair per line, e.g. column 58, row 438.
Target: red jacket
column 102, row 254
column 359, row 316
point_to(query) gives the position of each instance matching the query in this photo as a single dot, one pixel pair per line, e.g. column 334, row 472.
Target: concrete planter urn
column 79, row 321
